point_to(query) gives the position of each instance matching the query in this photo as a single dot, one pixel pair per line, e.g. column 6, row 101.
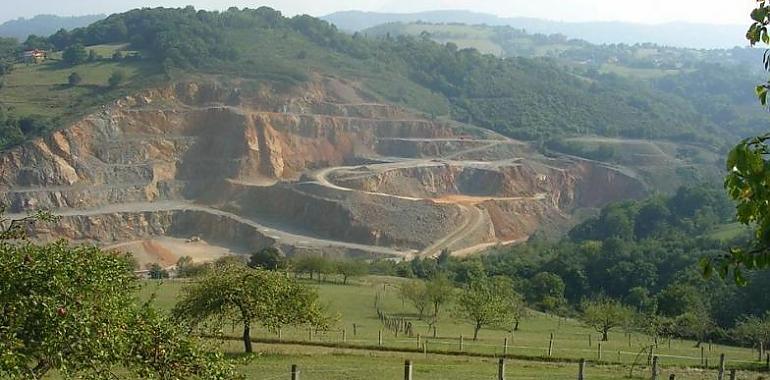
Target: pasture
column 345, row 351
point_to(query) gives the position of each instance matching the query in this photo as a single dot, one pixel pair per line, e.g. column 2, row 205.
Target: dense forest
column 527, row 98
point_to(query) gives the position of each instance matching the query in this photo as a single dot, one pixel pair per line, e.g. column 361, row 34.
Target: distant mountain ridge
column 44, row 25
column 676, row 34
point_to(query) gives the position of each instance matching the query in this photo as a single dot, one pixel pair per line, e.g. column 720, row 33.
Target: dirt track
column 473, row 216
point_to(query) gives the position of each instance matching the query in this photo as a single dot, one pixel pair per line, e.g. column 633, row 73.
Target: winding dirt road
column 272, row 233
column 473, row 217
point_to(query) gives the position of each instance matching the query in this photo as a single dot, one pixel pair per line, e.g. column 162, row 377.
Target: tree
column 241, row 295
column 72, row 309
column 604, row 314
column 313, row 264
column 487, row 302
column 639, row 298
column 748, row 166
column 16, row 229
column 270, row 258
column 92, row 56
column 753, row 330
column 350, row 268
column 117, row 77
column 440, row 292
column 157, row 272
column 75, row 54
column 696, row 324
column 546, row 290
column 678, row 299
column 416, row 293
column 185, row 267
column 74, row 79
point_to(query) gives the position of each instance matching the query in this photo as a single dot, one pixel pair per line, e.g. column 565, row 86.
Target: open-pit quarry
column 203, row 170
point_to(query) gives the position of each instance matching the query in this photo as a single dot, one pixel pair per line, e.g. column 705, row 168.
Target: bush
column 116, row 79
column 74, row 79
column 75, row 55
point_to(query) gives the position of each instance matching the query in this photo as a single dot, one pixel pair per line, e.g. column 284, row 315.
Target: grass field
column 360, row 356
column 43, row 89
column 729, row 232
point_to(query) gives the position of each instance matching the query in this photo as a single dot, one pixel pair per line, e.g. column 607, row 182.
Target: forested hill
column 719, row 83
column 528, row 98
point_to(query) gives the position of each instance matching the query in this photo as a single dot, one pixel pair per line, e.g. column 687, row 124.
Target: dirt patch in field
column 166, row 251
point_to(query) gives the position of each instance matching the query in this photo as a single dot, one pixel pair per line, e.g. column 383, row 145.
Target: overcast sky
column 643, row 11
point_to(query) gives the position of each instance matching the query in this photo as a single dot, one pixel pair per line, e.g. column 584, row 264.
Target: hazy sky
column 645, row 11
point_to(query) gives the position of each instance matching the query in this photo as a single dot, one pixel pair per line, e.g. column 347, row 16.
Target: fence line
column 581, row 367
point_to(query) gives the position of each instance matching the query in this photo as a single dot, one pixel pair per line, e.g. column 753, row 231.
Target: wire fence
column 556, row 348
column 501, row 370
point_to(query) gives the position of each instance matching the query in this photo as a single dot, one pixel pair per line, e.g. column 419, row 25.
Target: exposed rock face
column 267, row 156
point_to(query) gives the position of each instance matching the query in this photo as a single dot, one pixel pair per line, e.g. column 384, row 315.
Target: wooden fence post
column 655, row 367
column 550, row 345
column 589, row 340
column 418, row 341
column 379, row 338
column 501, row 369
column 581, row 369
column 355, row 329
column 672, row 377
column 505, row 346
column 761, row 350
column 280, row 334
column 721, row 374
column 344, row 336
column 599, row 351
column 408, row 370
column 767, row 362
column 425, row 348
column 629, row 339
column 733, row 374
column 462, row 341
column 294, row 372
column 702, row 357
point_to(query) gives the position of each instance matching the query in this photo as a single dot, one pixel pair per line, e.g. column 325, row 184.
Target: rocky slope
column 320, row 165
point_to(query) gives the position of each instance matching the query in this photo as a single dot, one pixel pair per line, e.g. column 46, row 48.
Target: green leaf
column 759, row 14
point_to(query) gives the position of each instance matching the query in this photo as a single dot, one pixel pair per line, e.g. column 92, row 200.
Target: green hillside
column 717, row 83
column 528, row 98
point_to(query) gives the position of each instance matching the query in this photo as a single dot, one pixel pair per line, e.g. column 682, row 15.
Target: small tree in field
column 350, row 268
column 269, row 258
column 75, row 55
column 116, row 79
column 74, row 79
column 696, row 323
column 242, row 295
column 156, row 272
column 753, row 330
column 313, row 264
column 440, row 292
column 487, row 302
column 604, row 314
column 519, row 310
column 416, row 293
